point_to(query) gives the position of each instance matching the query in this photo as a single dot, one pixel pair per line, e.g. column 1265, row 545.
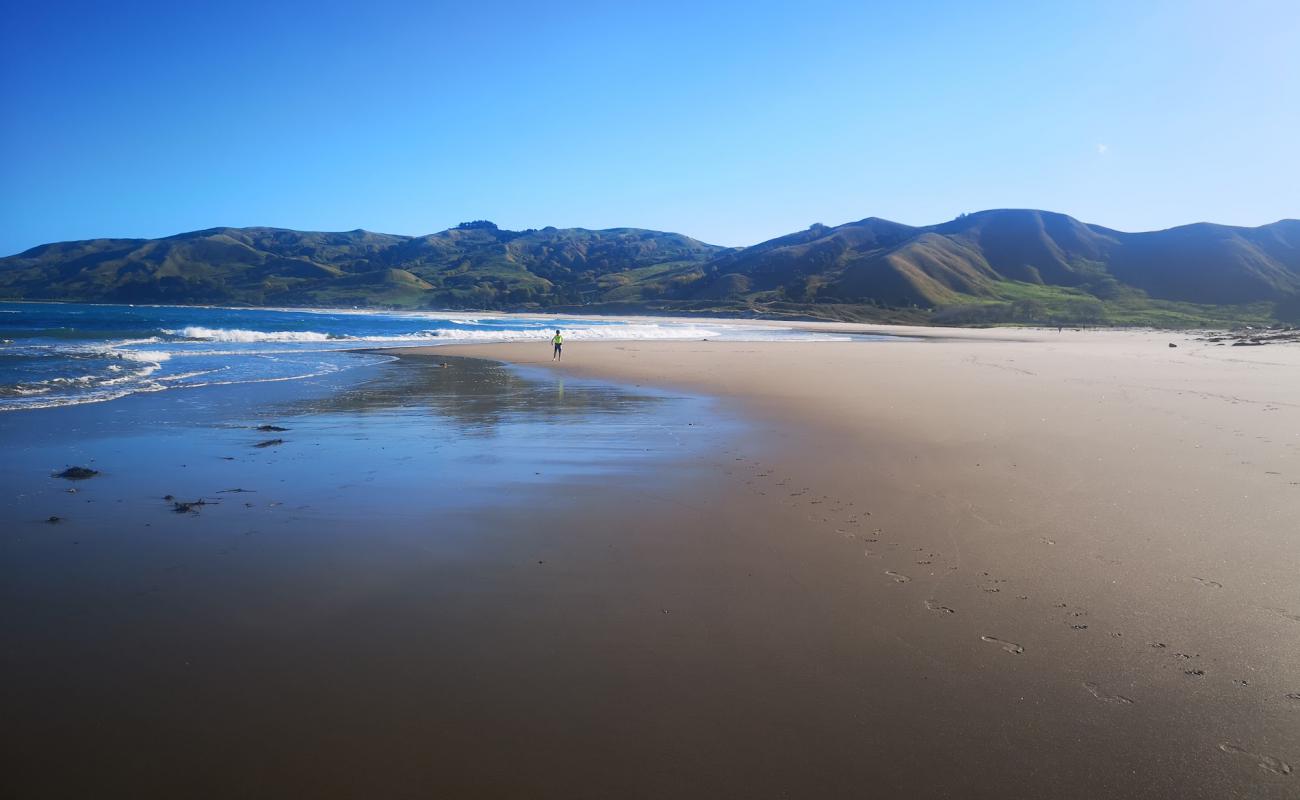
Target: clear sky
column 730, row 122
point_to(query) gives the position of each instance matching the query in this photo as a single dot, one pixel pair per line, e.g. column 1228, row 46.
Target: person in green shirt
column 558, row 341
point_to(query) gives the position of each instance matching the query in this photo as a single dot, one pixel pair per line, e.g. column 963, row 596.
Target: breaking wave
column 202, row 334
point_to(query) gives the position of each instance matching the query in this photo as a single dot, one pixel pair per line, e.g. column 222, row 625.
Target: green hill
column 1024, row 265
column 988, row 267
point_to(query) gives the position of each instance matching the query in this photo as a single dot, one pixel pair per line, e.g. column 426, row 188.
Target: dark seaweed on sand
column 269, row 443
column 77, row 473
column 191, row 507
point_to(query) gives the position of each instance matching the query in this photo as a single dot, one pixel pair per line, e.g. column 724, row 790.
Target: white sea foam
column 154, row 356
column 180, row 376
column 100, row 395
column 240, row 335
column 140, row 374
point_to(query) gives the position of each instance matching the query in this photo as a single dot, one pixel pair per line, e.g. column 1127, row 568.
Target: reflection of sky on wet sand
column 480, row 395
column 409, row 462
column 477, row 426
column 393, row 440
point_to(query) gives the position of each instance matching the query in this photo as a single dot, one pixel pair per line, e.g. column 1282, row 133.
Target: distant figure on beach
column 558, row 341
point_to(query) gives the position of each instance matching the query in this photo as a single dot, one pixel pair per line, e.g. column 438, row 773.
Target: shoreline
column 885, row 328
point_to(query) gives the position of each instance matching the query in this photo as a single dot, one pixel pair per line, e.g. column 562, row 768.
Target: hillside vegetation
column 991, row 267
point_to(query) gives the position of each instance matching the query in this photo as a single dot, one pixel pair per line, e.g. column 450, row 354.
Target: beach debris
column 54, row 520
column 191, row 507
column 271, row 428
column 70, row 490
column 168, row 498
column 1171, row 344
column 77, row 473
column 231, row 491
column 269, row 443
column 1252, row 337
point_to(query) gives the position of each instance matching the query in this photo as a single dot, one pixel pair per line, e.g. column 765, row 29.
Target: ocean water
column 59, row 354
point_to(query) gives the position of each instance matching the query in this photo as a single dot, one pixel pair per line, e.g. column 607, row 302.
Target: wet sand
column 984, row 564
column 388, row 602
column 1051, row 564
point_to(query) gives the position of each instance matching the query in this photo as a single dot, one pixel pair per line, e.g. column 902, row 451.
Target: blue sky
column 730, row 122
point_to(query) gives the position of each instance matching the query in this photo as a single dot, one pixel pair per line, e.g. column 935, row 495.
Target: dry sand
column 991, row 563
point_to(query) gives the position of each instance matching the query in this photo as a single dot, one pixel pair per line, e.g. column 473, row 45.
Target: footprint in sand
column 991, row 583
column 1010, row 647
column 1096, row 692
column 1267, row 763
column 942, row 609
column 897, row 576
column 1207, row 582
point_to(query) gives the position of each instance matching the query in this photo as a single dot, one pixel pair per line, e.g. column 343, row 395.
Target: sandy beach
column 955, row 564
column 1063, row 563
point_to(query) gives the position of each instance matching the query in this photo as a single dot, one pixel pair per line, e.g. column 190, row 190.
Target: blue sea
column 59, row 354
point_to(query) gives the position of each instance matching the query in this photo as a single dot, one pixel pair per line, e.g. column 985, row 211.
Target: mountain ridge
column 997, row 265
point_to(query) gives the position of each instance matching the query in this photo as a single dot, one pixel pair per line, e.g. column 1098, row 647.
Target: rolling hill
column 1007, row 265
